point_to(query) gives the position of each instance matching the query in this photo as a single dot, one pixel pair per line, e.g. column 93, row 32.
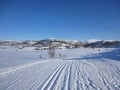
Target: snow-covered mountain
column 105, row 43
column 92, row 40
column 44, row 43
column 60, row 43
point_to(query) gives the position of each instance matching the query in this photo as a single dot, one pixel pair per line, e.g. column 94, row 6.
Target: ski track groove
column 89, row 82
column 38, row 86
column 7, row 88
column 77, row 77
column 83, row 77
column 67, row 77
column 82, row 80
column 103, row 77
column 50, row 82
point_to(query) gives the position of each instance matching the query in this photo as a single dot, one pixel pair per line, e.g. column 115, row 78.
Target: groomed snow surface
column 75, row 69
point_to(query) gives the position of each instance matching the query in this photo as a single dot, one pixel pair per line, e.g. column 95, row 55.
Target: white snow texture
column 76, row 69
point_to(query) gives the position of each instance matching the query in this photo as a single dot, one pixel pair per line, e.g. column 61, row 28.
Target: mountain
column 105, row 43
column 92, row 40
column 60, row 43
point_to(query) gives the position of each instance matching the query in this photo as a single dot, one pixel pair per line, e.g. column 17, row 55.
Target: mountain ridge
column 59, row 43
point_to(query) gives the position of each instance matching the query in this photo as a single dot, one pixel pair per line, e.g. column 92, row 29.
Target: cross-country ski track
column 61, row 75
column 85, row 73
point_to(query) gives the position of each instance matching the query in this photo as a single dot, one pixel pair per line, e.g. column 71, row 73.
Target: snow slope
column 82, row 69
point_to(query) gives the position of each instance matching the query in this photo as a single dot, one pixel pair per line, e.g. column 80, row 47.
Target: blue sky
column 67, row 19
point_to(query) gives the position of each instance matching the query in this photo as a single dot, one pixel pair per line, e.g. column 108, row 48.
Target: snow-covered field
column 74, row 69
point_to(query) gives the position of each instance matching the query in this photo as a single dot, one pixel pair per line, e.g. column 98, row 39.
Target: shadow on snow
column 114, row 55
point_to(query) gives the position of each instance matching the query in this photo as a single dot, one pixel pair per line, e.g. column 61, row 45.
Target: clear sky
column 66, row 19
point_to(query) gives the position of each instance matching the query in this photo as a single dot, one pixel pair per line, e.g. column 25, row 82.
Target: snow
column 78, row 69
column 29, row 48
column 51, row 39
column 92, row 40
